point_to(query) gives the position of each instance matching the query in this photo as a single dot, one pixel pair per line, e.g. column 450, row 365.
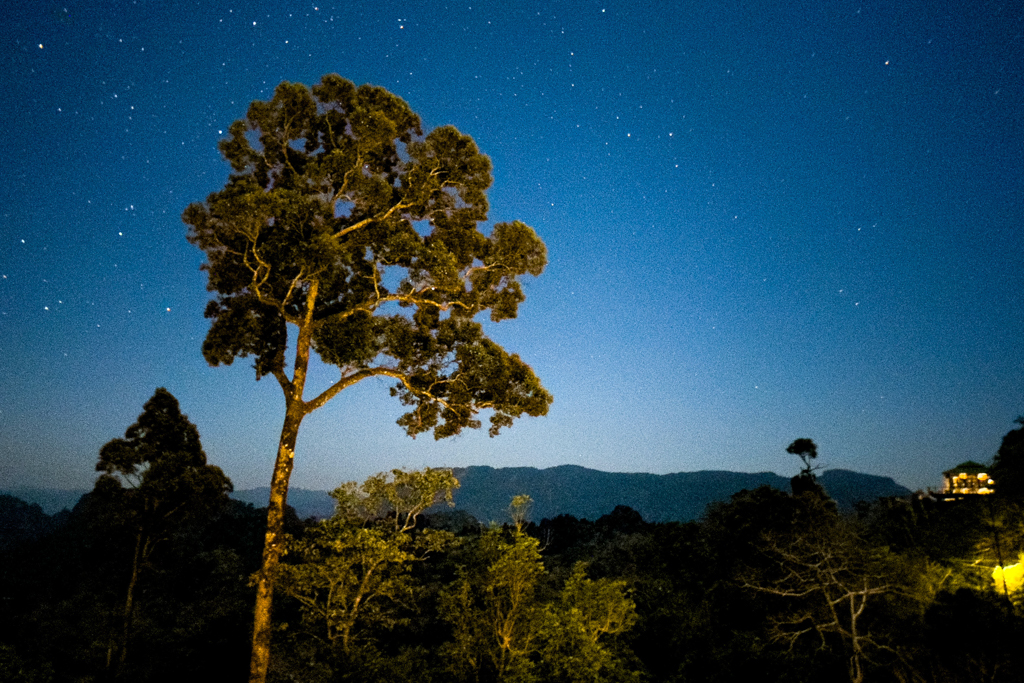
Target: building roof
column 970, row 467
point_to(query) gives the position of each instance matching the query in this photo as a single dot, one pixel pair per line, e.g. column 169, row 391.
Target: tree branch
column 366, row 221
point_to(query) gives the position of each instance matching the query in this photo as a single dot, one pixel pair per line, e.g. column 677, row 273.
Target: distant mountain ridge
column 51, row 501
column 307, row 502
column 584, row 493
column 568, row 490
column 679, row 497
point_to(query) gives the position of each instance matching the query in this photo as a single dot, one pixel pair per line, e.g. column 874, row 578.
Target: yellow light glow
column 1013, row 575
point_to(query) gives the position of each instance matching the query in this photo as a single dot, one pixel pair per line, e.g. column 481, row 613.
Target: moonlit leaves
column 514, row 249
column 343, row 219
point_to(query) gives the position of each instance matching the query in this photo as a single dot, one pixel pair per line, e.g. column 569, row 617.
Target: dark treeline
column 769, row 586
column 149, row 578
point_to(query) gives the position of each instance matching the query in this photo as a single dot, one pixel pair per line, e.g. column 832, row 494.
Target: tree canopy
column 355, row 567
column 806, row 450
column 159, row 468
column 344, row 220
column 766, row 586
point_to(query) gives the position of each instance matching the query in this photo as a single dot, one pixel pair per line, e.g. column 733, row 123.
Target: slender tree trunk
column 126, row 621
column 262, row 626
column 129, row 605
column 295, row 410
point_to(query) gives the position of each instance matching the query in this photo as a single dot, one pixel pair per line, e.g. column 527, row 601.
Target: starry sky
column 765, row 221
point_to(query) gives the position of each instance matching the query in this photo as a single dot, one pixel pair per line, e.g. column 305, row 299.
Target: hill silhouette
column 569, row 490
column 680, row 497
column 589, row 494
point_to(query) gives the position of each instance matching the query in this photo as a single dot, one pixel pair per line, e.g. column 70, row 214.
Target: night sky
column 765, row 221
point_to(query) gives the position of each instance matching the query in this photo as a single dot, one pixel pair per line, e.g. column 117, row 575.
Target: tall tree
column 344, row 221
column 153, row 479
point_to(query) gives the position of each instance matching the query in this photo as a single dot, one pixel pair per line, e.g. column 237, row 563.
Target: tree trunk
column 114, row 671
column 295, row 410
column 262, row 626
column 129, row 605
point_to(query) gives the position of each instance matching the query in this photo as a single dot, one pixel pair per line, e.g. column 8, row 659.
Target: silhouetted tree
column 622, row 520
column 343, row 220
column 1008, row 465
column 806, row 482
column 831, row 584
column 153, row 479
column 21, row 522
column 806, row 450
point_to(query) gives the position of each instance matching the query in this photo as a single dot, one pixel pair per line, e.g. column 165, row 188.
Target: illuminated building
column 967, row 478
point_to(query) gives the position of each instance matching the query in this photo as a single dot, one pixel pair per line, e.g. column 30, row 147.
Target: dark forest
column 770, row 586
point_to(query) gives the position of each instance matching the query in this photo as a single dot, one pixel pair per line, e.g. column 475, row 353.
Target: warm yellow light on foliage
column 1012, row 575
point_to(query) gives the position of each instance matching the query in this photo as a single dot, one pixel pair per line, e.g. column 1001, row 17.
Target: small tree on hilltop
column 344, row 221
column 805, row 482
column 806, row 450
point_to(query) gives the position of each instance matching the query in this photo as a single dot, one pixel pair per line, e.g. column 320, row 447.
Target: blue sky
column 764, row 220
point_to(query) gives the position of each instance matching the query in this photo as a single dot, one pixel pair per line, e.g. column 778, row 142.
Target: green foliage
column 519, row 510
column 505, row 627
column 576, row 630
column 345, row 220
column 830, row 600
column 356, row 568
column 400, row 498
column 769, row 586
column 492, row 609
